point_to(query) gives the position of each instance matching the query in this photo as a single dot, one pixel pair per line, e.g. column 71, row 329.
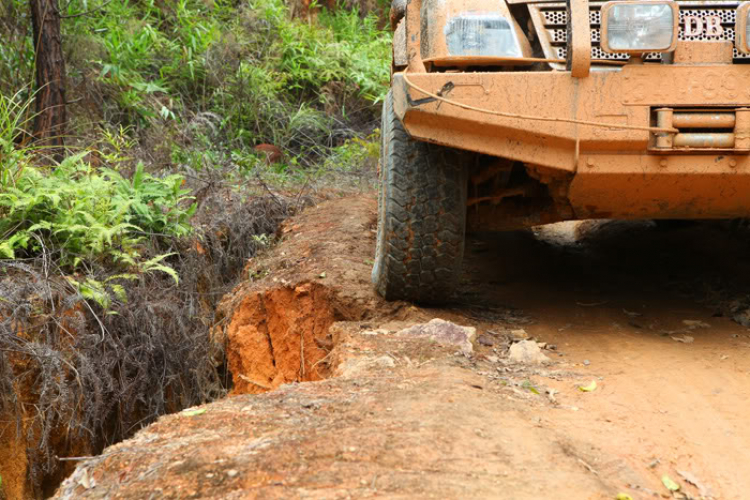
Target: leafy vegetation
column 197, row 85
column 233, row 76
column 195, row 127
column 81, row 213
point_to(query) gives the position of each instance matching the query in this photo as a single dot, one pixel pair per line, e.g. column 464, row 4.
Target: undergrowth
column 209, row 81
column 94, row 375
column 196, row 127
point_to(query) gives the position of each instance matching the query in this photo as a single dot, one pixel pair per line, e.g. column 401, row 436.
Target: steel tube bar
column 704, row 140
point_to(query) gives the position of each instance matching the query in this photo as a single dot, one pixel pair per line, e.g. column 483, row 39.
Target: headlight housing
column 741, row 28
column 470, row 32
column 485, row 35
column 639, row 27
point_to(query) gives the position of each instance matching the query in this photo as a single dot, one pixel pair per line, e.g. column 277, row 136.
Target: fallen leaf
column 588, row 388
column 192, row 413
column 623, row 496
column 685, row 339
column 529, row 387
column 669, row 483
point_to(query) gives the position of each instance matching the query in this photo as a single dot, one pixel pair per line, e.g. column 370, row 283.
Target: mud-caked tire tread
column 421, row 216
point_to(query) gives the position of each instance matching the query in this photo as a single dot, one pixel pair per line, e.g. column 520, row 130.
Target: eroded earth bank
column 647, row 318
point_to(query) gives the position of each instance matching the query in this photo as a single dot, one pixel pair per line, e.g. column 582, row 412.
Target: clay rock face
column 444, row 333
column 274, row 337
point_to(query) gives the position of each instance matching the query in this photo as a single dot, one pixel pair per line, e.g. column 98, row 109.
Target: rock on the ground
column 357, row 365
column 444, row 333
column 527, row 352
column 742, row 318
column 486, row 340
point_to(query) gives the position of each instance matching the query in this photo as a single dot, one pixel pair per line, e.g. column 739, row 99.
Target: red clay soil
column 16, row 451
column 275, row 337
column 404, row 417
column 13, row 461
column 276, row 330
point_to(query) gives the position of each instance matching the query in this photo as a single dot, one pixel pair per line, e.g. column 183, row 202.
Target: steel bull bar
column 640, row 141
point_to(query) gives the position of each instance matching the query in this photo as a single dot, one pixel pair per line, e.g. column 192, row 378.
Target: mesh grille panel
column 555, row 18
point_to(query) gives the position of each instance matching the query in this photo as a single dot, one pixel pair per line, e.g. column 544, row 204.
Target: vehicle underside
column 577, row 110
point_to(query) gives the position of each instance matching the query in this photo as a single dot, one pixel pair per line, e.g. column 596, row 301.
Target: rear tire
column 421, row 216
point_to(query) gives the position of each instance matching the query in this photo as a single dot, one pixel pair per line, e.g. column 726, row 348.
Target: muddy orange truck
column 504, row 114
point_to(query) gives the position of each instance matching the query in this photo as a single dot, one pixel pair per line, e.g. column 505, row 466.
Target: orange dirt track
column 644, row 311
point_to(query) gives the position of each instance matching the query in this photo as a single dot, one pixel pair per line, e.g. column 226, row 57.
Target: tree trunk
column 51, row 118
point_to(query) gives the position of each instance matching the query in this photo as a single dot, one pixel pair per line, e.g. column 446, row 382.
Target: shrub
column 78, row 213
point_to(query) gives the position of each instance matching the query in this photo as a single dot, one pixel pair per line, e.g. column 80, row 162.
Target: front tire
column 421, row 216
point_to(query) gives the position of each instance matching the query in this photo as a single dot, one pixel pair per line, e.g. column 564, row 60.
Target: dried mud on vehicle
column 644, row 312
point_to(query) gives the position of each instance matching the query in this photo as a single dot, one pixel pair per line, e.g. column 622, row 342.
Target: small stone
column 527, row 352
column 232, row 472
column 493, row 359
column 444, row 333
column 384, row 362
column 520, row 333
column 586, row 362
column 743, row 318
column 486, row 340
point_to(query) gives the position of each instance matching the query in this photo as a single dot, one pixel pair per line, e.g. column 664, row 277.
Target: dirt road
column 643, row 311
column 620, row 304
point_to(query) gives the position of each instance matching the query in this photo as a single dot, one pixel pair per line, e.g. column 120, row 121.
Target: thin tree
column 51, row 115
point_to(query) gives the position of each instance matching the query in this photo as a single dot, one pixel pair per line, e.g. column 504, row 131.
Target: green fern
column 81, row 214
column 155, row 264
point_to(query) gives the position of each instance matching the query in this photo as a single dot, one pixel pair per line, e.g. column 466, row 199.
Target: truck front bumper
column 618, row 173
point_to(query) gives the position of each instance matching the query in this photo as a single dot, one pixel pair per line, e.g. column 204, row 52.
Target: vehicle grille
column 550, row 20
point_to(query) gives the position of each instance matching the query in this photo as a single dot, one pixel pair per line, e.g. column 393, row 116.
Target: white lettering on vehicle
column 708, row 25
